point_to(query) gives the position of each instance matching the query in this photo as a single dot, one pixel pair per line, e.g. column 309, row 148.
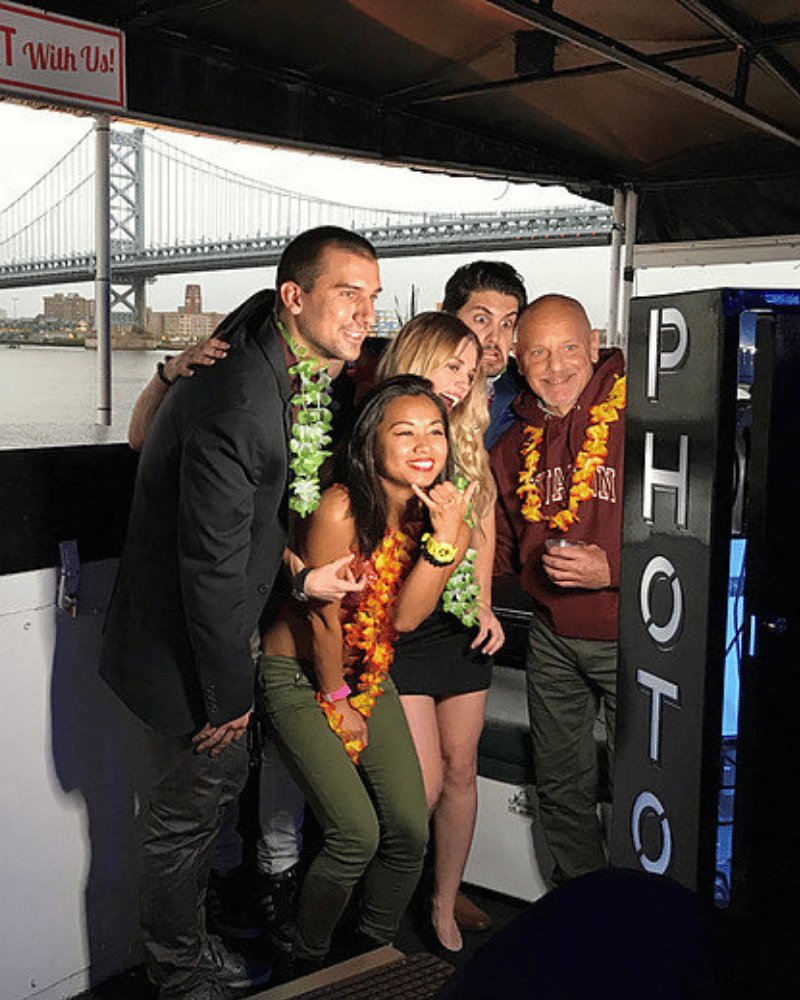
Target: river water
column 48, row 395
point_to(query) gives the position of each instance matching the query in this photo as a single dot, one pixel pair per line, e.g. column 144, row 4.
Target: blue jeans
column 373, row 817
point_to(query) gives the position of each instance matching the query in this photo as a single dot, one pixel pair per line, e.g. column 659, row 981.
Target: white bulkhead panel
column 74, row 761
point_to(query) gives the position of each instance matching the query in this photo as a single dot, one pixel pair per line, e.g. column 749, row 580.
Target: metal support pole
column 102, row 281
column 628, row 273
column 140, row 306
column 617, row 224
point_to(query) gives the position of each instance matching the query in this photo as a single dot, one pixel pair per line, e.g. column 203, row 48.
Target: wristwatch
column 299, row 585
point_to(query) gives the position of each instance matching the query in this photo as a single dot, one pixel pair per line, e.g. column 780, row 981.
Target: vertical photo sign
column 60, row 58
column 673, row 585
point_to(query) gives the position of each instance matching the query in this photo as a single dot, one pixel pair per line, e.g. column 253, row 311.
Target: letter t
column 661, row 689
column 8, row 32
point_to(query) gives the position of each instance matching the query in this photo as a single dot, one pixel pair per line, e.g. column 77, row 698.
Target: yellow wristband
column 437, row 553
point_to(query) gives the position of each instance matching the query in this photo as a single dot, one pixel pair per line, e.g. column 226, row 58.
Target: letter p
column 662, row 320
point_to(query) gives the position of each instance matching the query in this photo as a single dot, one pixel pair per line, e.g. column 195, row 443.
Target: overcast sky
column 38, row 139
column 33, row 141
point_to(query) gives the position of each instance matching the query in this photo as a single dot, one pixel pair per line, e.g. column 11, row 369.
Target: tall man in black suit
column 205, row 540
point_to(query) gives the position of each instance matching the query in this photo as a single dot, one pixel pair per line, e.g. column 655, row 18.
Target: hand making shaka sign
column 447, row 508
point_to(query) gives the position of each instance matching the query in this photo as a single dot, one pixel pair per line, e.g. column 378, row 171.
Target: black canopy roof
column 696, row 103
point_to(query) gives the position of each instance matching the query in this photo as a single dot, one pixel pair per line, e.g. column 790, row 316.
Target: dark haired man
column 205, row 540
column 303, row 259
column 488, row 295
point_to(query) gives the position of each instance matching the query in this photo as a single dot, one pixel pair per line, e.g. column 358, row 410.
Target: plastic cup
column 553, row 544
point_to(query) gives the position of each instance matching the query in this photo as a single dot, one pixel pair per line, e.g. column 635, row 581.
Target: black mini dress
column 435, row 659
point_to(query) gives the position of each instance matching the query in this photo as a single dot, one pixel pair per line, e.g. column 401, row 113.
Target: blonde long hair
column 425, row 344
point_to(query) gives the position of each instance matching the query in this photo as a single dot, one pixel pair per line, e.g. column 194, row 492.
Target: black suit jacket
column 206, row 535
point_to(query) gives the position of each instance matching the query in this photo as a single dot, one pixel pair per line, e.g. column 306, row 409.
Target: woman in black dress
column 443, row 668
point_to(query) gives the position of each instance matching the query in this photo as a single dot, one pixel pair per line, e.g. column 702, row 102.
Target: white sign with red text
column 62, row 58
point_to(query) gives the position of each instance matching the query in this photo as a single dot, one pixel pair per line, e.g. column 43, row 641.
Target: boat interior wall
column 75, row 761
column 509, row 853
column 660, row 96
column 51, row 495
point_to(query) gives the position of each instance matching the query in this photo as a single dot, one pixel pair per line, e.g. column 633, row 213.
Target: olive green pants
column 373, row 817
column 568, row 680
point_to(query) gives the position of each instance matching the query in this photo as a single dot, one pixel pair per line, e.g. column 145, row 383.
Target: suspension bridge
column 172, row 212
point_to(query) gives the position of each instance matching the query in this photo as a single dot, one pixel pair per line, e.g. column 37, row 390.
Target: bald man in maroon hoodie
column 559, row 510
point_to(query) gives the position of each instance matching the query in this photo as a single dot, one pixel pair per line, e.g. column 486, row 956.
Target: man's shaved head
column 556, row 350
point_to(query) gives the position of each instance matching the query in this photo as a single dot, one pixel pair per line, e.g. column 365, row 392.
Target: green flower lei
column 462, row 591
column 461, row 594
column 310, row 427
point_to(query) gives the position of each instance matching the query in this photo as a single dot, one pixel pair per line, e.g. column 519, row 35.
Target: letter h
column 666, row 479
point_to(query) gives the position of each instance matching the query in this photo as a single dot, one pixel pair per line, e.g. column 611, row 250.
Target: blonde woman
column 442, row 670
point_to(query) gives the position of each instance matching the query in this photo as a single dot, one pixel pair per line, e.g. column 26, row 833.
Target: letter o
column 661, row 634
column 645, row 801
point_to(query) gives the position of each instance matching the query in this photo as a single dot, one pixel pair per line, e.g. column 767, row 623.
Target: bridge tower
column 127, row 222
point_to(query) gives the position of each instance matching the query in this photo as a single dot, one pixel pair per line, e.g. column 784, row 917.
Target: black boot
column 278, row 899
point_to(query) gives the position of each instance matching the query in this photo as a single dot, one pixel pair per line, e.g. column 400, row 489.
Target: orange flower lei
column 589, row 458
column 371, row 632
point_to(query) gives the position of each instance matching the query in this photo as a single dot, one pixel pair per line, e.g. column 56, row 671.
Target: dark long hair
column 361, row 468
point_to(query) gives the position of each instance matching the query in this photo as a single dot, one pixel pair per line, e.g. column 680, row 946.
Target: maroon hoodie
column 571, row 612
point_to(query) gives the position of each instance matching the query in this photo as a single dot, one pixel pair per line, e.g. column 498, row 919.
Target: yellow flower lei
column 371, row 632
column 592, row 455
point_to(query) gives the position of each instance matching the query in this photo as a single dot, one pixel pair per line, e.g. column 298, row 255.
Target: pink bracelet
column 339, row 694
